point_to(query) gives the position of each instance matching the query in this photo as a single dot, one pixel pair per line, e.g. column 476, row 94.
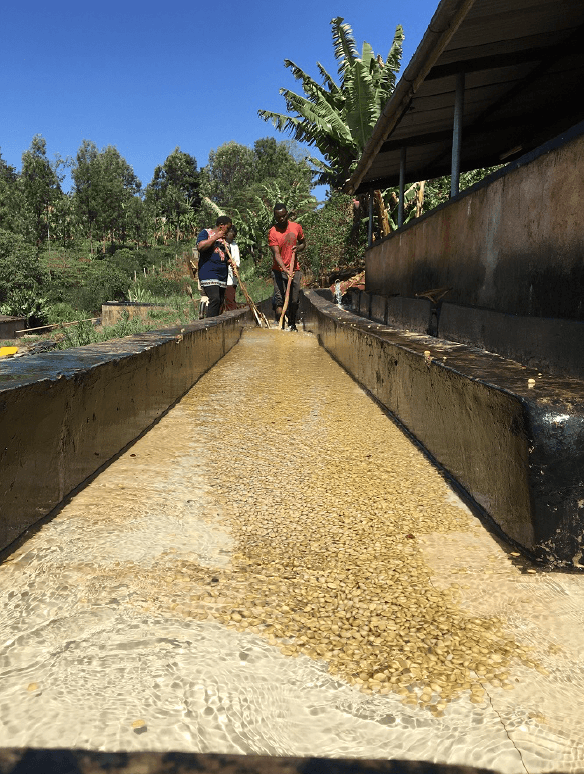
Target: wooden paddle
column 260, row 317
column 286, row 299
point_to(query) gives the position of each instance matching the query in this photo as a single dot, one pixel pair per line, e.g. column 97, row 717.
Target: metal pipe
column 402, row 187
column 370, row 224
column 457, row 135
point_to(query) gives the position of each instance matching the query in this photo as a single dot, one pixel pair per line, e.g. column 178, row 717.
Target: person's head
column 280, row 215
column 222, row 223
column 231, row 233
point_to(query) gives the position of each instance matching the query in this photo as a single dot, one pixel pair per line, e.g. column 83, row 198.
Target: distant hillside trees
column 173, row 194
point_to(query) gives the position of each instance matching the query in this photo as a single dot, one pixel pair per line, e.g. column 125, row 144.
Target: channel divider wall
column 516, row 447
column 65, row 414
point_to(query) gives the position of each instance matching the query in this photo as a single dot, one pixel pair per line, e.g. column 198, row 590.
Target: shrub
column 102, row 282
column 60, row 312
column 333, row 240
column 22, row 277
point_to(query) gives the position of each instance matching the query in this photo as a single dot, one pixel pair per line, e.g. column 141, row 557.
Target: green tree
column 230, row 170
column 334, row 241
column 236, row 174
column 86, row 181
column 282, row 161
column 174, row 190
column 338, row 119
column 22, row 277
column 41, row 186
column 104, row 187
column 13, row 207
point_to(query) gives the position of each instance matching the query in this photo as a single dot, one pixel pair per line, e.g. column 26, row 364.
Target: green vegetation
column 63, row 254
column 338, row 119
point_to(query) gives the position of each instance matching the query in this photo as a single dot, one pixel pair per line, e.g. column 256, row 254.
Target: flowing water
column 274, row 568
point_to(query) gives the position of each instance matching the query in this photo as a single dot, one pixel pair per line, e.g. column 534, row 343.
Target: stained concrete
column 65, row 414
column 9, row 326
column 112, row 311
column 513, row 243
column 516, row 448
column 552, row 345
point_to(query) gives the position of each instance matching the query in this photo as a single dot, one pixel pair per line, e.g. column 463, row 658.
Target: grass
column 180, row 310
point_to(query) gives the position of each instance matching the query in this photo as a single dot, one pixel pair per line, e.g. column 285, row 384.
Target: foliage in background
column 237, row 174
column 338, row 119
column 23, row 280
column 335, row 239
column 174, row 195
column 41, row 187
column 104, row 188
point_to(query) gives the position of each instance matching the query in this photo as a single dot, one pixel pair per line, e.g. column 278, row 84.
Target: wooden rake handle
column 286, row 299
column 260, row 318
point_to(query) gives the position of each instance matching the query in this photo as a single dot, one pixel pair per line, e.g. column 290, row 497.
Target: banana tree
column 338, row 118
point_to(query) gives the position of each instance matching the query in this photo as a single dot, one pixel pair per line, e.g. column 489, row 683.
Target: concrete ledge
column 414, row 314
column 378, row 308
column 65, row 414
column 549, row 344
column 517, row 451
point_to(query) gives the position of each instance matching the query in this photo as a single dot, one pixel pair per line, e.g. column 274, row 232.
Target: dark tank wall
column 513, row 244
column 507, row 256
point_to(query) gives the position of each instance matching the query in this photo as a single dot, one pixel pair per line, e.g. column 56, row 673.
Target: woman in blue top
column 213, row 264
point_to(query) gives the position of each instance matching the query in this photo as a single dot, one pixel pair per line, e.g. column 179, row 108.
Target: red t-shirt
column 286, row 240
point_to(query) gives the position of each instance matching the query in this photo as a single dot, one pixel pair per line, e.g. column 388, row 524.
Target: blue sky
column 147, row 77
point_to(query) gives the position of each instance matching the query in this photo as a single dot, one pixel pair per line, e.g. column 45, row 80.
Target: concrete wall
column 9, row 326
column 65, row 414
column 112, row 311
column 515, row 245
column 517, row 450
column 555, row 346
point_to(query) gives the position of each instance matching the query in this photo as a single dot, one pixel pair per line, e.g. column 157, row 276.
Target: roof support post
column 370, row 224
column 402, row 187
column 457, row 135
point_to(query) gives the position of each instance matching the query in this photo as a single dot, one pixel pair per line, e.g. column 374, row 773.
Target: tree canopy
column 174, row 190
column 236, row 174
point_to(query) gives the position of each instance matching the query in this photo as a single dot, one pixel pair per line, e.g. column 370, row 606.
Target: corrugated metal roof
column 524, row 65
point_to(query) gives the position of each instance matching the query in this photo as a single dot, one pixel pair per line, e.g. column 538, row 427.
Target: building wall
column 514, row 244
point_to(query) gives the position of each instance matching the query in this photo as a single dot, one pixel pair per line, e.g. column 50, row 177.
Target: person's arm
column 301, row 244
column 278, row 258
column 218, row 233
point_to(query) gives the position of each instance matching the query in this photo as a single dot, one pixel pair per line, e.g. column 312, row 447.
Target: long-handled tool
column 286, row 297
column 260, row 317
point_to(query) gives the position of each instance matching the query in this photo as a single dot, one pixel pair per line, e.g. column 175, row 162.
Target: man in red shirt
column 286, row 240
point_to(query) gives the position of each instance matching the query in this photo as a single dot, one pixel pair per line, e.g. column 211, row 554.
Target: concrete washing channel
column 219, row 542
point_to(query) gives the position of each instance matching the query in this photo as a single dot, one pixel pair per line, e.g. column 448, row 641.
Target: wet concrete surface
column 275, row 569
column 511, row 436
